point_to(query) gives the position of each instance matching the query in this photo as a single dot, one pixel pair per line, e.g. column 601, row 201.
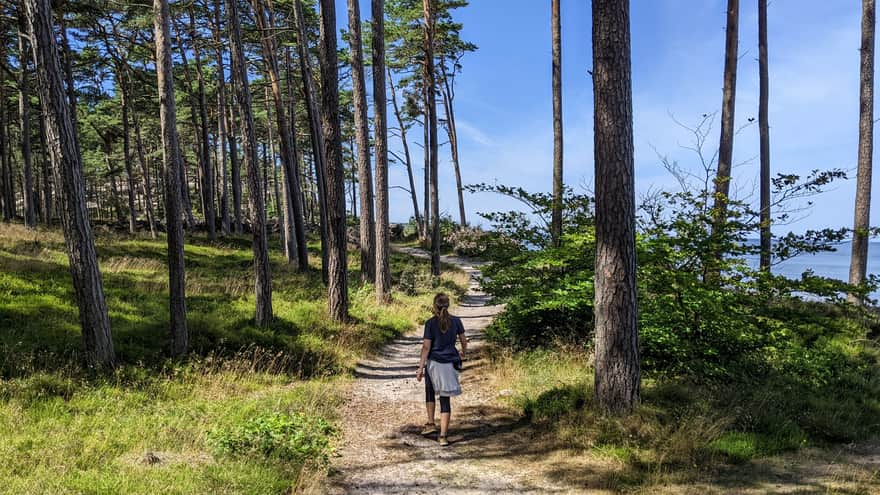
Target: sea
column 834, row 264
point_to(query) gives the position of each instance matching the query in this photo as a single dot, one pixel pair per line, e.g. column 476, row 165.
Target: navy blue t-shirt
column 443, row 343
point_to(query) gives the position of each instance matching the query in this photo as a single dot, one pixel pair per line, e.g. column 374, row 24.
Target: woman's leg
column 445, row 414
column 429, row 398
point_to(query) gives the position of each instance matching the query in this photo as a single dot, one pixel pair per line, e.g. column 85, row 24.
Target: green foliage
column 761, row 363
column 289, row 437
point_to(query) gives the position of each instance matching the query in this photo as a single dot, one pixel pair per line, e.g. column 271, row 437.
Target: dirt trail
column 383, row 450
column 494, row 451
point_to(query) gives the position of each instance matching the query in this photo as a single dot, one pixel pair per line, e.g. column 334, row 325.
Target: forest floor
column 494, row 448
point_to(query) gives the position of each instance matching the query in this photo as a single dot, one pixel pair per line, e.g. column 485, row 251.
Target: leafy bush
column 289, row 437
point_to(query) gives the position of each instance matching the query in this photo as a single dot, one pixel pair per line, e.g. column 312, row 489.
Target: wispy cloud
column 469, row 131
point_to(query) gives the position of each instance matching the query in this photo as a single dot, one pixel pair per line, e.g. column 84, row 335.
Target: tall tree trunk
column 725, row 148
column 145, row 171
column 556, row 223
column 617, row 337
column 24, row 114
column 859, row 265
column 5, row 165
column 362, row 136
column 173, row 166
column 452, row 131
column 236, row 165
column 334, row 174
column 426, row 170
column 380, row 121
column 87, row 284
column 48, row 176
column 764, row 130
column 406, row 155
column 207, row 170
column 126, row 156
column 316, row 133
column 255, row 198
column 296, row 232
column 221, row 121
column 431, row 118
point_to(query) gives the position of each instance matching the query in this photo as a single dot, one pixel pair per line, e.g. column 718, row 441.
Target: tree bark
column 48, row 176
column 207, row 170
column 221, row 121
column 255, row 199
column 725, row 148
column 24, row 114
column 316, row 133
column 859, row 264
column 173, row 174
column 764, row 131
column 406, row 155
column 431, row 118
column 334, row 174
column 236, row 164
column 617, row 338
column 362, row 137
column 380, row 122
column 556, row 221
column 87, row 284
column 5, row 170
column 296, row 232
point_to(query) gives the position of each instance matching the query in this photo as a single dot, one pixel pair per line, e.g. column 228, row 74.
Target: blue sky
column 503, row 99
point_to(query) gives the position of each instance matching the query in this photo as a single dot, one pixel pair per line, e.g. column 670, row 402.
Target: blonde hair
column 441, row 311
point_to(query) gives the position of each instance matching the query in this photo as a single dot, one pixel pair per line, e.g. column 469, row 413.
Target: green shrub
column 289, row 437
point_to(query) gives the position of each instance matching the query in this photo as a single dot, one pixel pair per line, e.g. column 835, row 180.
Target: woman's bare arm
column 463, row 340
column 426, row 348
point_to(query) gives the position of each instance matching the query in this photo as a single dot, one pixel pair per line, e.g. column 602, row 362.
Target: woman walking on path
column 440, row 364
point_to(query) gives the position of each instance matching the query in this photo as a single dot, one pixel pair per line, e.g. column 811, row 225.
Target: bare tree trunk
column 406, row 155
column 332, row 158
column 126, row 155
column 431, row 118
column 362, row 135
column 207, row 170
column 145, row 171
column 255, row 198
column 5, row 172
column 24, row 114
column 87, row 284
column 859, row 264
column 48, row 176
column 452, row 131
column 236, row 165
column 221, row 121
column 725, row 148
column 317, row 136
column 426, row 170
column 764, row 130
column 556, row 223
column 380, row 121
column 617, row 337
column 296, row 232
column 173, row 166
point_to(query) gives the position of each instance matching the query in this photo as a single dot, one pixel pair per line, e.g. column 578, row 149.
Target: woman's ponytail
column 441, row 311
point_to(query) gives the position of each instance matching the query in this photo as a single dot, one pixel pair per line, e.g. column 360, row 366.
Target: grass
column 682, row 432
column 148, row 426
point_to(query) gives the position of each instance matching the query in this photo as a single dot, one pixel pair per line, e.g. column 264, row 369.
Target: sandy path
column 383, row 451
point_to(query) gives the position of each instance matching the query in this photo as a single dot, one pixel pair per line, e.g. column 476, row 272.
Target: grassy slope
column 63, row 430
